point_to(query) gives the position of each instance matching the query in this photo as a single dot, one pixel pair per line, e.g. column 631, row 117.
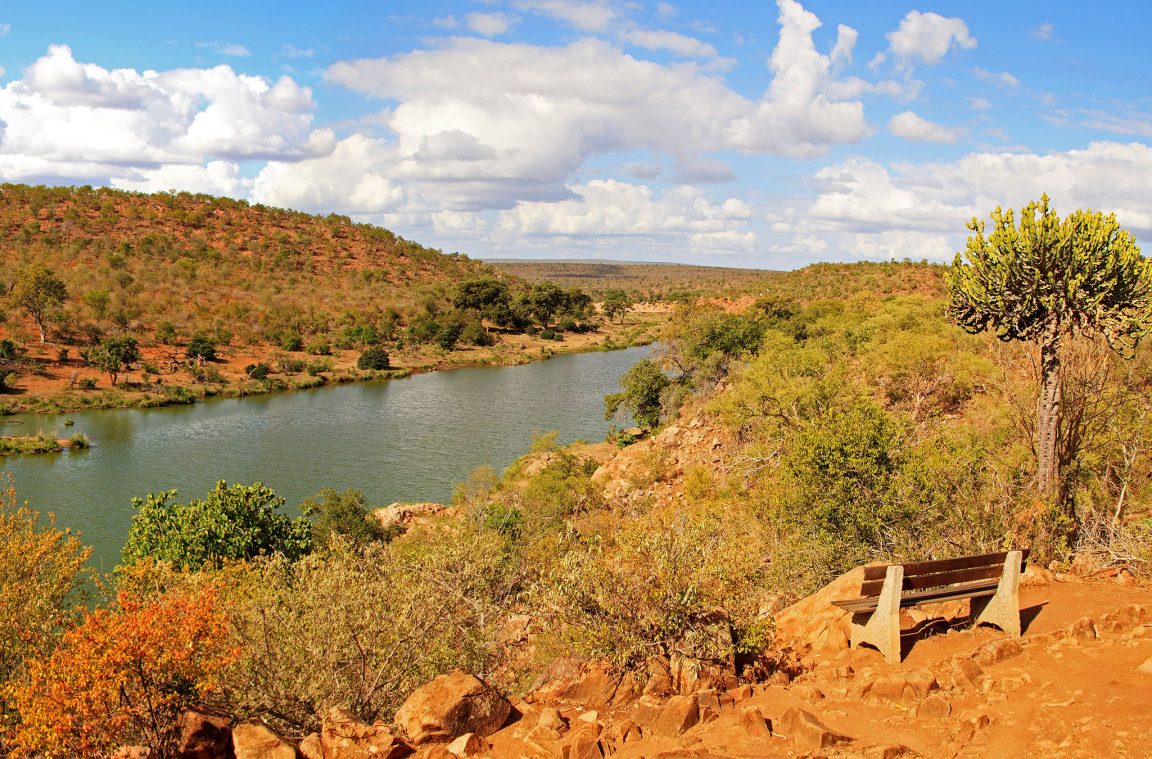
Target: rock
column 551, row 719
column 204, row 736
column 343, row 736
column 814, row 624
column 595, row 687
column 543, row 740
column 807, row 692
column 582, row 744
column 678, row 715
column 450, row 706
column 311, row 747
column 1083, row 629
column 807, row 731
column 405, row 514
column 437, row 752
column 752, row 722
column 892, row 751
column 934, row 707
column 996, row 651
column 967, row 673
column 1125, row 578
column 467, row 746
column 904, row 688
column 1036, row 577
column 252, row 740
column 740, row 693
column 619, row 733
column 1146, row 667
column 590, row 717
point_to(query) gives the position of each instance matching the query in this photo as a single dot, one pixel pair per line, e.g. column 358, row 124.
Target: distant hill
column 133, row 260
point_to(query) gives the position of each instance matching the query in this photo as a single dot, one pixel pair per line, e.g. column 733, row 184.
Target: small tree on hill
column 644, row 385
column 1043, row 281
column 615, row 303
column 37, row 290
column 114, row 355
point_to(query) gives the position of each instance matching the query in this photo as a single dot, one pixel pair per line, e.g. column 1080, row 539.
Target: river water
column 397, row 440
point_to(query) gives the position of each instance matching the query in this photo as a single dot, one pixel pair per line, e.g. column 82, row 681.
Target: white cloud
column 928, row 37
column 665, row 11
column 919, row 210
column 446, row 22
column 1001, row 79
column 213, row 178
column 585, row 15
column 490, row 24
column 912, row 127
column 64, row 117
column 609, row 207
column 292, row 52
column 673, row 42
column 799, row 116
column 5, row 30
column 227, row 49
column 979, row 104
column 1043, row 32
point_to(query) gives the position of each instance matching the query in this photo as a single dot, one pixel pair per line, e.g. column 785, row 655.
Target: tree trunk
column 1048, row 414
column 40, row 324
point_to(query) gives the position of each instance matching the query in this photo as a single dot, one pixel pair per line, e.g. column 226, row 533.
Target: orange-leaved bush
column 123, row 675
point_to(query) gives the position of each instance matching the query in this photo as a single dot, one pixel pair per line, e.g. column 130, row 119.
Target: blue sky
column 767, row 135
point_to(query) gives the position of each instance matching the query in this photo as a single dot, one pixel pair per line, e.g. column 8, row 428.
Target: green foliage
column 114, row 354
column 8, row 350
column 615, row 303
column 374, row 358
column 474, row 333
column 38, row 291
column 643, row 385
column 166, row 333
column 202, row 346
column 487, row 295
column 234, row 522
column 346, row 514
column 258, row 371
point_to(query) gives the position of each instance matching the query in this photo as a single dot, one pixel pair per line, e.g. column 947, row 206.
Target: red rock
column 551, row 719
column 1146, row 667
column 204, row 736
column 343, row 736
column 967, row 673
column 582, row 744
column 753, row 724
column 1083, row 629
column 807, row 731
column 311, row 747
column 678, row 715
column 934, row 707
column 741, row 693
column 996, row 651
column 450, row 706
column 904, row 688
column 467, row 746
column 252, row 740
column 595, row 687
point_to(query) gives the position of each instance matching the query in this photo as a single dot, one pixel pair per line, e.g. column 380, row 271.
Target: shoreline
column 131, row 393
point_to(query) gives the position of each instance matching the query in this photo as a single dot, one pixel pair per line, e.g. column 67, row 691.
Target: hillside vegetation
column 838, row 418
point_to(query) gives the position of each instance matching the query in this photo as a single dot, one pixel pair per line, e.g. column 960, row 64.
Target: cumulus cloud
column 673, row 42
column 1043, row 32
column 227, row 49
column 609, row 207
column 928, row 37
column 490, row 24
column 64, row 117
column 1001, row 79
column 912, row 127
column 919, row 210
column 213, row 178
column 585, row 15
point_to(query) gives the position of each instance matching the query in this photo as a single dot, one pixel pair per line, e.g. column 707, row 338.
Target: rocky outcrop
column 343, row 736
column 253, row 740
column 450, row 706
column 204, row 736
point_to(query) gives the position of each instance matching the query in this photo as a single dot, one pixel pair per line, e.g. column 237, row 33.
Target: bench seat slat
column 943, row 565
column 936, row 579
column 921, row 597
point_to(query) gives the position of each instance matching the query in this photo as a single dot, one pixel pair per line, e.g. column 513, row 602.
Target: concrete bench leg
column 881, row 628
column 1003, row 608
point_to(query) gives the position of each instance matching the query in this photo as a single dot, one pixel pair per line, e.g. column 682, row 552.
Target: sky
column 765, row 135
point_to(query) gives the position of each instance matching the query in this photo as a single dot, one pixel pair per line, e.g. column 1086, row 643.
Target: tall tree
column 1044, row 280
column 37, row 290
column 114, row 354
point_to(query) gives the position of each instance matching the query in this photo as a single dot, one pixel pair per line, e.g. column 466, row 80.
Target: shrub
column 448, row 335
column 88, row 383
column 257, row 371
column 236, row 522
column 291, row 341
column 346, row 514
column 318, row 366
column 547, row 334
column 124, row 676
column 8, row 349
column 373, row 358
column 320, row 347
column 166, row 333
column 290, row 365
column 475, row 334
column 643, row 386
column 202, row 346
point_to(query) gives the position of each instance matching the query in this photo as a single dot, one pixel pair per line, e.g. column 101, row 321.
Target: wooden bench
column 992, row 581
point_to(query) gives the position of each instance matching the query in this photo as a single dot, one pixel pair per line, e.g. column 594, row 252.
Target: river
column 397, row 440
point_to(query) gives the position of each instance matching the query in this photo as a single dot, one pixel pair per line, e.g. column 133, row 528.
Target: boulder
column 450, row 706
column 814, row 624
column 678, row 715
column 1083, row 629
column 403, row 515
column 807, row 731
column 1146, row 667
column 311, row 747
column 753, row 724
column 934, row 707
column 343, row 736
column 905, row 688
column 595, row 687
column 996, row 651
column 204, row 736
column 253, row 740
column 467, row 746
column 582, row 744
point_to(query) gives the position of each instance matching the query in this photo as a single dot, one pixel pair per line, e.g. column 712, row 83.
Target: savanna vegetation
column 850, row 413
column 115, row 298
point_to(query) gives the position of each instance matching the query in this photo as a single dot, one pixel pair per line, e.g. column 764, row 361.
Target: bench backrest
column 937, row 574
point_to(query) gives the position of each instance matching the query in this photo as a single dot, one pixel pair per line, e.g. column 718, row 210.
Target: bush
column 320, row 347
column 8, row 350
column 373, row 358
column 258, row 371
column 318, row 366
column 166, row 333
column 345, row 514
column 202, row 346
column 88, row 383
column 475, row 334
column 547, row 334
column 290, row 365
column 124, row 676
column 291, row 341
column 643, row 386
column 237, row 522
column 447, row 335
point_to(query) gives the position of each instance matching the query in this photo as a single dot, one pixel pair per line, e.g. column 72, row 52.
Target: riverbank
column 19, row 445
column 60, row 384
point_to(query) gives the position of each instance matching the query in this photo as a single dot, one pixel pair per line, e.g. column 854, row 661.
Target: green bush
column 291, row 341
column 346, row 514
column 234, row 522
column 475, row 334
column 202, row 346
column 375, row 358
column 258, row 371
